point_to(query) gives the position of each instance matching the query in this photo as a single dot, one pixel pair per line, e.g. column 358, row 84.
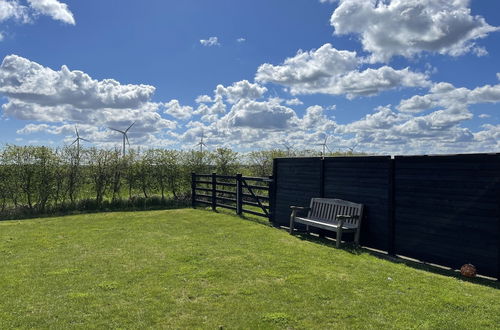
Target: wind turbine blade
column 129, row 127
column 85, row 140
column 76, row 130
column 126, row 137
column 73, row 142
column 328, row 148
column 114, row 129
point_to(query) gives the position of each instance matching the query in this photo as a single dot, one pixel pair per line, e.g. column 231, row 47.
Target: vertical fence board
column 391, row 209
column 297, row 181
column 362, row 180
column 272, row 193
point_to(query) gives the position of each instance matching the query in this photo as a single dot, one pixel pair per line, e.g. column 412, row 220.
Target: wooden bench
column 336, row 215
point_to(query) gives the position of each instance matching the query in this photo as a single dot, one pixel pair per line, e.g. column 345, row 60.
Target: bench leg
column 292, row 218
column 339, row 236
column 356, row 237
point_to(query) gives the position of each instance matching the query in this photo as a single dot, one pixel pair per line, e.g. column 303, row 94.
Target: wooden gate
column 233, row 192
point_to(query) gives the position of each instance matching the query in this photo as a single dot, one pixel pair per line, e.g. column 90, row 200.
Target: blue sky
column 392, row 77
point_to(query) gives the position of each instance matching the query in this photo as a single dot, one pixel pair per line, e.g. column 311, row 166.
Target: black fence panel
column 362, row 180
column 439, row 209
column 447, row 210
column 297, row 182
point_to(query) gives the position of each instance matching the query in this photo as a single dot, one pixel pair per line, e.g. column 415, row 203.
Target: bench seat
column 326, row 225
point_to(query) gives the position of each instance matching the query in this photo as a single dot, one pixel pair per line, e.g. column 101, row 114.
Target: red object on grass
column 468, row 270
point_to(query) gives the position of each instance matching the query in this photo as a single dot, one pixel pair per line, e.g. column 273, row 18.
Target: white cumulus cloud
column 390, row 131
column 53, row 8
column 40, row 94
column 212, row 41
column 10, row 9
column 176, row 110
column 294, row 101
column 408, row 27
column 448, row 96
column 240, row 90
column 330, row 71
column 312, row 68
column 13, row 10
column 259, row 115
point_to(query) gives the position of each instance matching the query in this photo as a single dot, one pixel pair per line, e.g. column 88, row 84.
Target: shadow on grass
column 248, row 217
column 89, row 206
column 436, row 269
column 415, row 264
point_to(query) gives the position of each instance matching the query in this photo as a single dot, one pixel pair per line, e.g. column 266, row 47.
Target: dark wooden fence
column 232, row 192
column 438, row 209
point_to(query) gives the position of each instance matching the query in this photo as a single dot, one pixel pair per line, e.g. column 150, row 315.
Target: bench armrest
column 300, row 208
column 341, row 218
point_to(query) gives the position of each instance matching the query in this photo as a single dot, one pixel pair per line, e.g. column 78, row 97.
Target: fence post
column 273, row 188
column 214, row 193
column 193, row 190
column 322, row 177
column 498, row 235
column 391, row 216
column 270, row 193
column 239, row 195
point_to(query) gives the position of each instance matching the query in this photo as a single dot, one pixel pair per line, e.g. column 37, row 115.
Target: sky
column 380, row 77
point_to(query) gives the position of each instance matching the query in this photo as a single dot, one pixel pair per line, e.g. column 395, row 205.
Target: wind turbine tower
column 325, row 147
column 201, row 144
column 77, row 141
column 125, row 137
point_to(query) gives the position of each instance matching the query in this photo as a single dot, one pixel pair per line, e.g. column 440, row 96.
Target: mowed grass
column 199, row 269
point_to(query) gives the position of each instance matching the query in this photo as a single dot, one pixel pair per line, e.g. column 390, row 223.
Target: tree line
column 38, row 180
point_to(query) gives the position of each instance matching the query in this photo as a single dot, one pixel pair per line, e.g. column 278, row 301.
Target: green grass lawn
column 199, row 269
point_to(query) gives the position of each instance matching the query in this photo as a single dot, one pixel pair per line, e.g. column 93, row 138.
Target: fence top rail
column 249, row 178
column 392, row 156
column 261, row 179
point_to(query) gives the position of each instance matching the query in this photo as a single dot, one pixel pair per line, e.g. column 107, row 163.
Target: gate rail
column 233, row 192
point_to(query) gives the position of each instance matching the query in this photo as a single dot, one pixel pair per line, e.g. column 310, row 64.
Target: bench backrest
column 326, row 210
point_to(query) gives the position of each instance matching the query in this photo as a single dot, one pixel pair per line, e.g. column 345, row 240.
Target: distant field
column 199, row 269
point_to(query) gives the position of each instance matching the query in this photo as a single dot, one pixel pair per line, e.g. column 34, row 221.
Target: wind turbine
column 288, row 147
column 325, row 146
column 351, row 149
column 125, row 137
column 77, row 141
column 201, row 143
